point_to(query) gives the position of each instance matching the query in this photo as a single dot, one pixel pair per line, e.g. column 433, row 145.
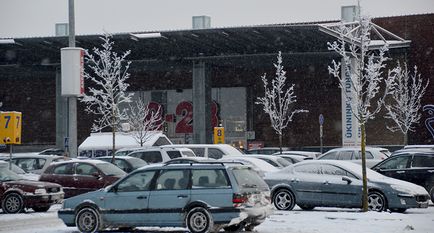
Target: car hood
column 413, row 188
column 85, row 197
column 29, row 184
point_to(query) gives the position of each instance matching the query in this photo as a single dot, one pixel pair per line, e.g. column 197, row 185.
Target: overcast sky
column 29, row 18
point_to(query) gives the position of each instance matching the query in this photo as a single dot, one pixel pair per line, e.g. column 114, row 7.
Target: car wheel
column 199, row 220
column 376, row 201
column 88, row 220
column 235, row 228
column 283, row 199
column 250, row 227
column 306, row 207
column 13, row 203
column 41, row 209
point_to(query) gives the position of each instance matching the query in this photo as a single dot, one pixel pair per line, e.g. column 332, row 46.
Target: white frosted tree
column 362, row 71
column 143, row 121
column 108, row 73
column 279, row 100
column 405, row 103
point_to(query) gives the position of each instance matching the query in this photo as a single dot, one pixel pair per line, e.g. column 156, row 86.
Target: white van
column 214, row 151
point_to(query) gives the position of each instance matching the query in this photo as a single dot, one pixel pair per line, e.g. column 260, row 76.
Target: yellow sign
column 10, row 127
column 219, row 135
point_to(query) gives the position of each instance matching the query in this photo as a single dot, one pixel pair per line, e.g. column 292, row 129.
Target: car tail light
column 239, row 199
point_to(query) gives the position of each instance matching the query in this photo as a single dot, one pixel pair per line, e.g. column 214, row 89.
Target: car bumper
column 33, row 200
column 410, row 201
column 254, row 215
column 67, row 216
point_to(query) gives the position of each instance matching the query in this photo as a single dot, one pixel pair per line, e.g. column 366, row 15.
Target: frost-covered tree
column 362, row 71
column 108, row 73
column 405, row 103
column 143, row 120
column 279, row 100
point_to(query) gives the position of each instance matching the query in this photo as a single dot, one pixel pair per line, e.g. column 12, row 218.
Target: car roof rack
column 205, row 162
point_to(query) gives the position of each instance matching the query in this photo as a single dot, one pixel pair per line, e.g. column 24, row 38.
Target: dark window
column 172, row 180
column 423, row 160
column 30, row 164
column 85, row 169
column 64, row 169
column 330, row 155
column 100, row 153
column 209, row 178
column 345, row 155
column 335, row 171
column 140, row 181
column 173, row 154
column 367, row 154
column 151, row 156
column 215, row 153
column 399, row 162
column 199, row 151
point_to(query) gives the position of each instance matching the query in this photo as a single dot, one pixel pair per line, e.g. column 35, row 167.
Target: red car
column 17, row 194
column 81, row 176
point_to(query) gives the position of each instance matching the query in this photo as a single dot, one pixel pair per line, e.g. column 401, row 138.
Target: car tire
column 88, row 220
column 234, row 228
column 376, row 201
column 398, row 210
column 199, row 220
column 283, row 199
column 13, row 203
column 250, row 227
column 306, row 207
column 41, row 209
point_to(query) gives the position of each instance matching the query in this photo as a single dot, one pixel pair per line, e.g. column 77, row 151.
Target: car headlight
column 40, row 191
column 402, row 189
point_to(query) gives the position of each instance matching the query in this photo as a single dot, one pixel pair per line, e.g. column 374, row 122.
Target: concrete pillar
column 201, row 103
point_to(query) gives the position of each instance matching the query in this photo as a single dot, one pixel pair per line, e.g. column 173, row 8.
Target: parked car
column 266, row 150
column 201, row 197
column 309, row 154
column 17, row 194
column 52, row 151
column 335, row 183
column 34, row 163
column 373, row 155
column 20, row 172
column 126, row 151
column 126, row 163
column 414, row 166
column 214, row 151
column 161, row 154
column 260, row 166
column 273, row 160
column 81, row 176
column 292, row 158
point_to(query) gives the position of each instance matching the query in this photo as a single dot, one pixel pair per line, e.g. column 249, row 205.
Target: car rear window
column 423, row 161
column 248, row 178
column 188, row 153
column 173, row 154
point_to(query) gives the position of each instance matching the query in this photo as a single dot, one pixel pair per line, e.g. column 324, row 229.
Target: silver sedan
column 334, row 183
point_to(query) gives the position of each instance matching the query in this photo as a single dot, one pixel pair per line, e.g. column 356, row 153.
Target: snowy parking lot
column 297, row 221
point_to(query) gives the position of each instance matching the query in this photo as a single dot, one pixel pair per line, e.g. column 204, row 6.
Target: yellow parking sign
column 219, row 135
column 10, row 127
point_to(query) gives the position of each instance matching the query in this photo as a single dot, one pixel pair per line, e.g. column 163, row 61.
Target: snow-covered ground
column 321, row 220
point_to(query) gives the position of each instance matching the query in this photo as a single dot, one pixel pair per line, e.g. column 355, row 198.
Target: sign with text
column 10, row 127
column 219, row 135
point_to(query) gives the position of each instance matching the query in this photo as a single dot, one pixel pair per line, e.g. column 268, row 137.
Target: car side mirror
column 96, row 175
column 347, row 179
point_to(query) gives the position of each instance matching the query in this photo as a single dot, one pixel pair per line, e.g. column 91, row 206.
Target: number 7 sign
column 10, row 127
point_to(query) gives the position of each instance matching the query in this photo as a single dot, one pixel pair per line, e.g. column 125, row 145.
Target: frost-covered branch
column 108, row 74
column 408, row 89
column 362, row 70
column 278, row 100
column 143, row 120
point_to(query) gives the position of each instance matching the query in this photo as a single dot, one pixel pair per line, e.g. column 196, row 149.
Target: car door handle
column 400, row 172
column 142, row 197
column 75, row 178
column 431, row 171
column 326, row 182
column 182, row 196
column 295, row 180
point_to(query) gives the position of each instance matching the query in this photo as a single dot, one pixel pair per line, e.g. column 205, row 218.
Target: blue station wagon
column 204, row 197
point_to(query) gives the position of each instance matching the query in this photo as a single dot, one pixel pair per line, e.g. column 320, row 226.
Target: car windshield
column 136, row 162
column 110, row 169
column 247, row 178
column 7, row 175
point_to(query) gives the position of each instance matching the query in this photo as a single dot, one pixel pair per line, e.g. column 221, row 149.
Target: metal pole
column 72, row 101
column 320, row 137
